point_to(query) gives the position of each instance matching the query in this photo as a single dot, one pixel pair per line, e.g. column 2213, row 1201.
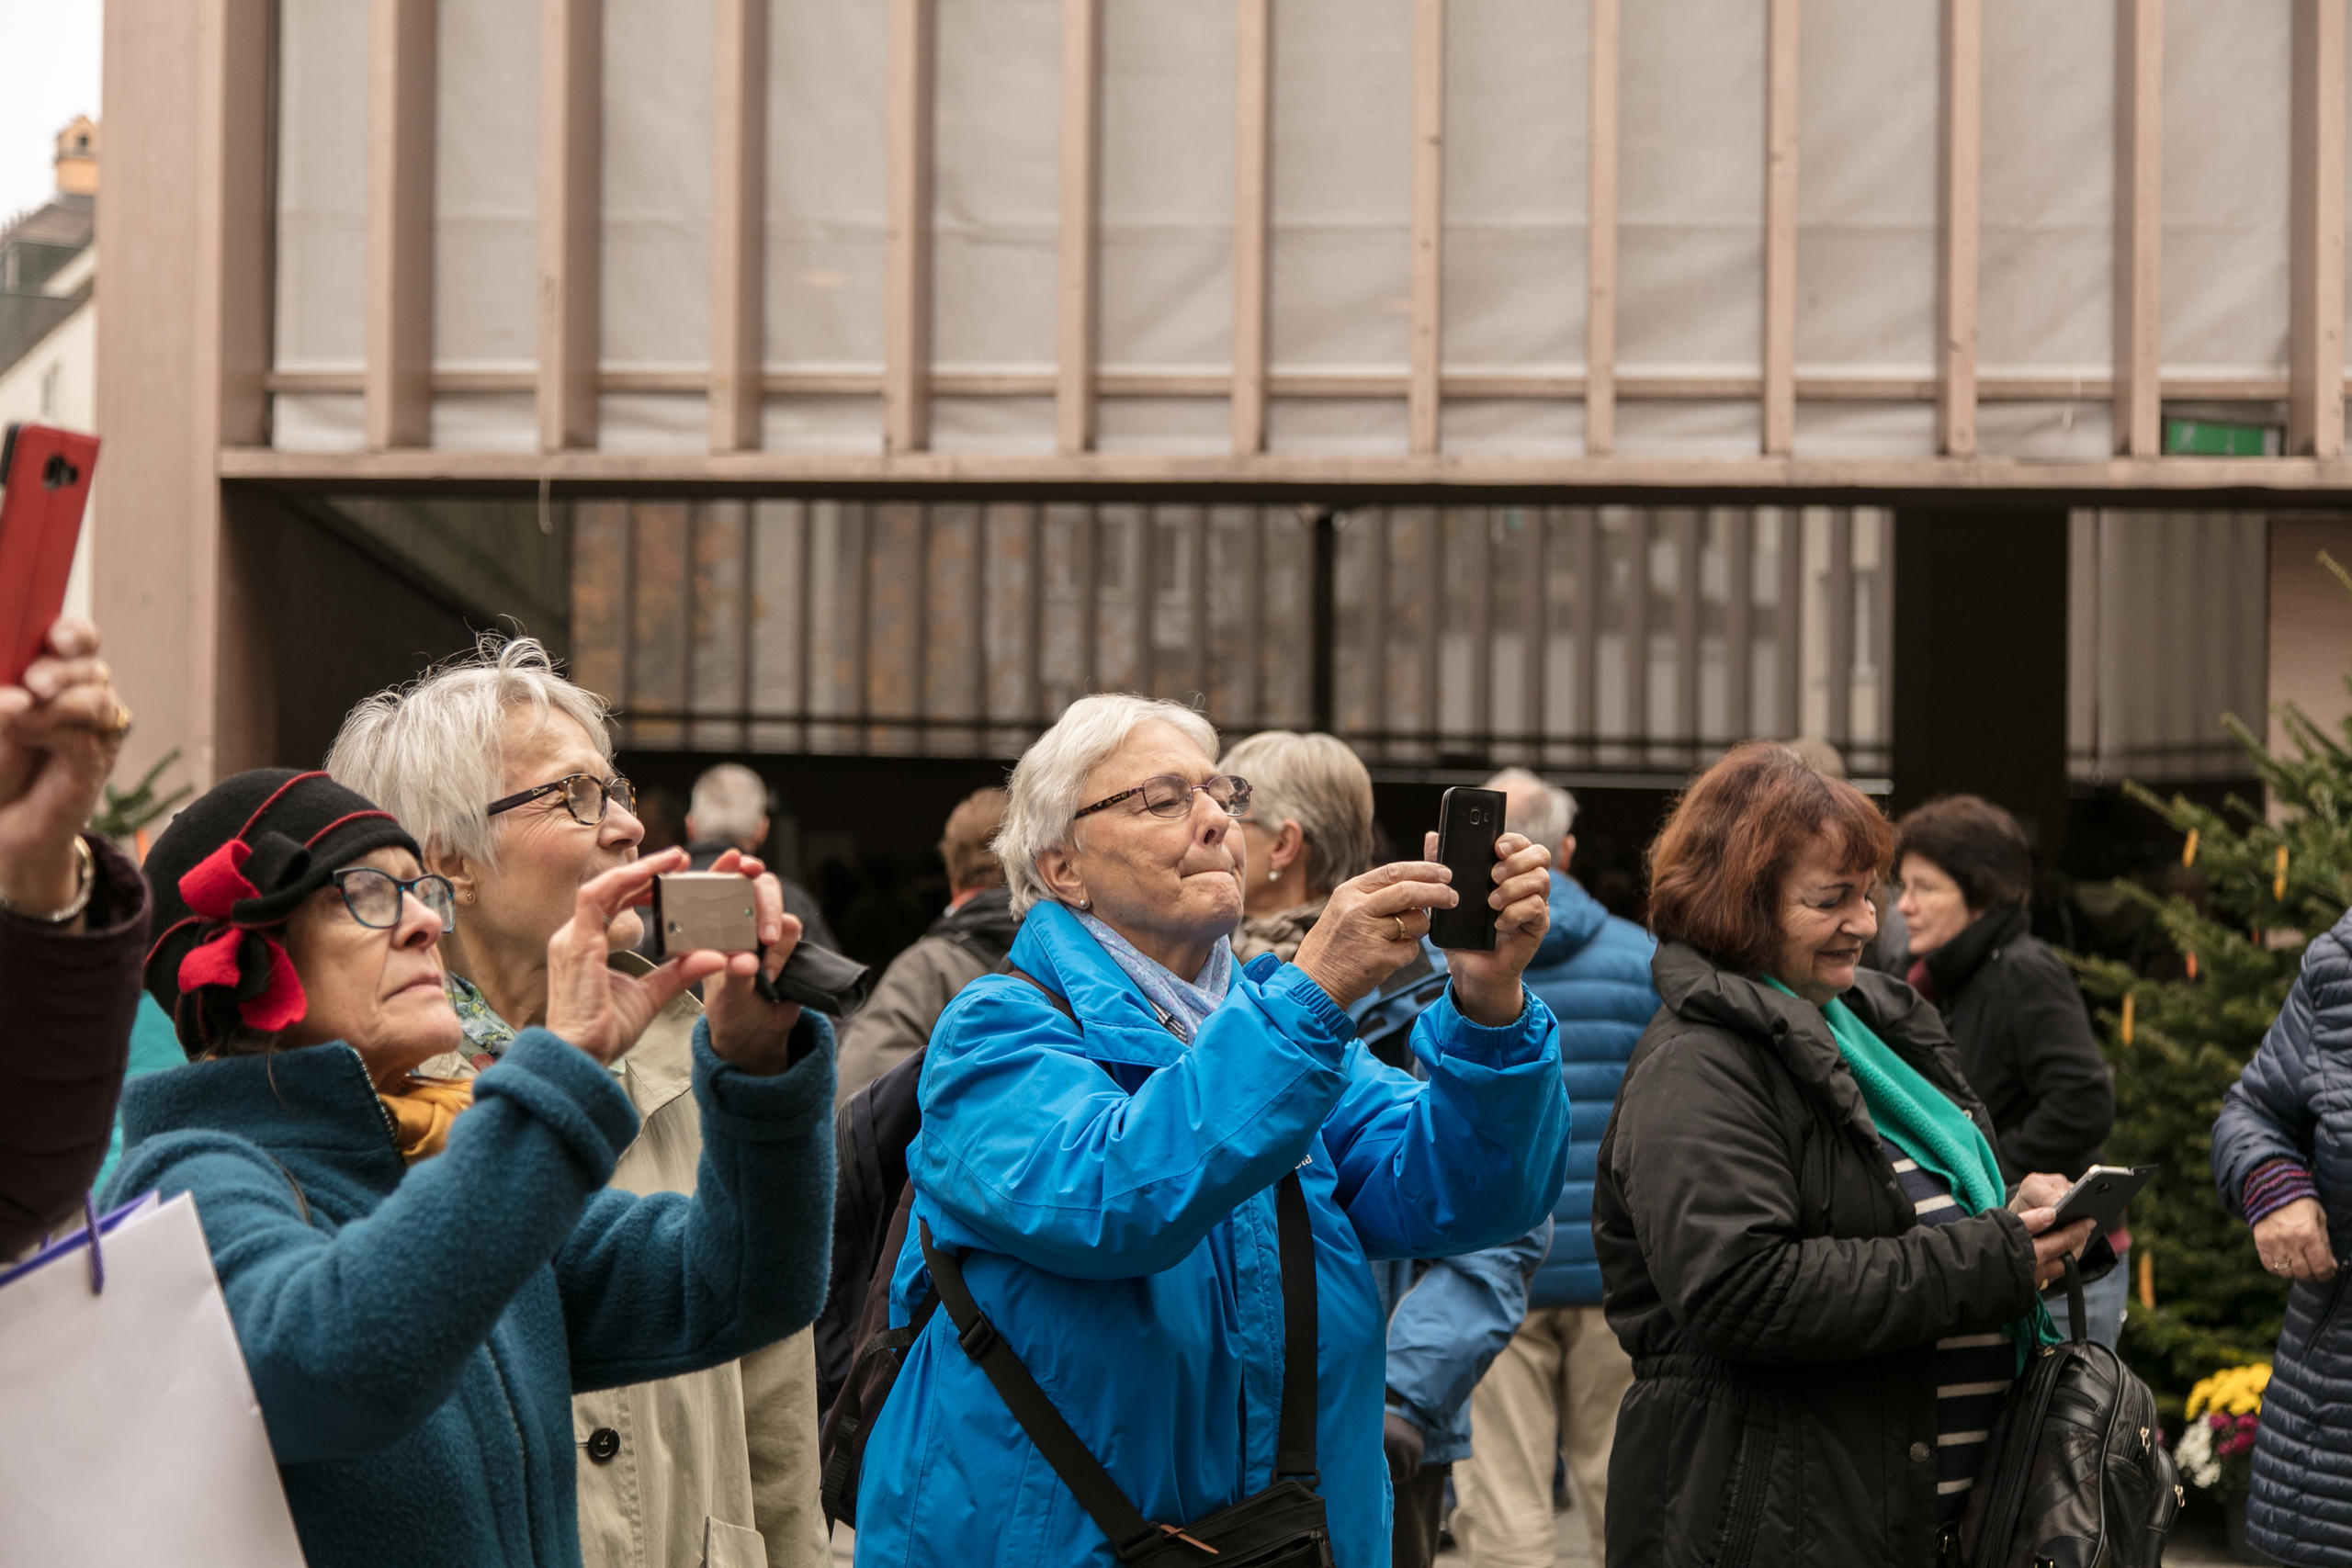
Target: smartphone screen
column 1468, row 823
column 48, row 479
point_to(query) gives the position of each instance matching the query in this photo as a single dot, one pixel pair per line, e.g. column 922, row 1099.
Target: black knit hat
column 233, row 866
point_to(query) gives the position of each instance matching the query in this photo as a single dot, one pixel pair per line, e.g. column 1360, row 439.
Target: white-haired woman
column 1309, row 830
column 1110, row 1140
column 502, row 770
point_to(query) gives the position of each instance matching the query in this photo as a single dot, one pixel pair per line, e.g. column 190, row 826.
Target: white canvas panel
column 998, row 184
column 1164, row 424
column 828, row 183
column 1528, row 427
column 1691, row 179
column 2084, row 429
column 317, row 422
column 1166, row 246
column 821, row 424
column 1696, row 428
column 1337, row 426
column 1518, row 116
column 1341, row 206
column 993, row 424
column 657, row 164
column 1865, row 430
column 2046, row 284
column 322, row 252
column 2227, row 76
column 485, row 188
column 486, row 422
column 1866, row 186
column 653, row 422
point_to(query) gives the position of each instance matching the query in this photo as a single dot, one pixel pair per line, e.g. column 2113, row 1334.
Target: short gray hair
column 433, row 752
column 1045, row 782
column 1317, row 782
column 1546, row 819
column 729, row 801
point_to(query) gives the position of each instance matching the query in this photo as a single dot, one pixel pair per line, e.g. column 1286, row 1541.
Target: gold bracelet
column 85, row 873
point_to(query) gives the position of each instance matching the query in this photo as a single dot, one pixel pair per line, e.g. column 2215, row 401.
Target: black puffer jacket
column 1762, row 1268
column 2025, row 1045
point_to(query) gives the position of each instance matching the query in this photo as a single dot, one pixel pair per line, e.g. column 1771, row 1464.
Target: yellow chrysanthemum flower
column 2236, row 1391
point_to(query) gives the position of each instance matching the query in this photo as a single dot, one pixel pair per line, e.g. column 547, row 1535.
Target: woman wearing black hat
column 418, row 1294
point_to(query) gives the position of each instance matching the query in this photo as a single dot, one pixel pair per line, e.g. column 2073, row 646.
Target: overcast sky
column 48, row 74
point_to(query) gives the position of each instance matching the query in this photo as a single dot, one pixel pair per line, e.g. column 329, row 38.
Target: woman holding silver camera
column 1147, row 1166
column 421, row 1275
column 504, row 770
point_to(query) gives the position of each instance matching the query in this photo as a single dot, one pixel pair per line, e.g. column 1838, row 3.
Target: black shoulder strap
column 1126, row 1530
column 1061, row 1003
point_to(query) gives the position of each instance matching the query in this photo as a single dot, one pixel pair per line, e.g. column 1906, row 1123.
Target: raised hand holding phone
column 1517, row 888
column 61, row 728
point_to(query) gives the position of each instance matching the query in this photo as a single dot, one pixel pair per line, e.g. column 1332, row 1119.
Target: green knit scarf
column 1922, row 1121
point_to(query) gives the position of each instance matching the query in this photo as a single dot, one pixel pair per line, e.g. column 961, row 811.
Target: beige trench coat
column 715, row 1468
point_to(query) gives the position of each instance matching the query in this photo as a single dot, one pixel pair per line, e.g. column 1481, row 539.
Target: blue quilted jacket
column 1593, row 972
column 2294, row 1101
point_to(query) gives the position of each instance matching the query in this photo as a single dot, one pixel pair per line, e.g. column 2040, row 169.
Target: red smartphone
column 48, row 479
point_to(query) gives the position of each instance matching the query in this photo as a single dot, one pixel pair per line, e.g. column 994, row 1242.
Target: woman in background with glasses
column 504, row 770
column 421, row 1277
column 1104, row 1132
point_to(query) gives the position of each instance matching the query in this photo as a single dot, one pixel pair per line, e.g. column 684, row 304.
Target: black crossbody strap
column 1294, row 1447
column 1126, row 1530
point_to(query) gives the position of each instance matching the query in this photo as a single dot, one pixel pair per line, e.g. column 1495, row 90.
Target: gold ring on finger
column 120, row 728
column 1402, row 934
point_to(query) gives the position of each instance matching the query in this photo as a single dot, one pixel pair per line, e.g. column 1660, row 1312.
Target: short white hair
column 1045, row 783
column 1544, row 816
column 727, row 802
column 433, row 752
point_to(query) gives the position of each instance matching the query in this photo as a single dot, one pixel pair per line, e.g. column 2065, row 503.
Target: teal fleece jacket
column 415, row 1334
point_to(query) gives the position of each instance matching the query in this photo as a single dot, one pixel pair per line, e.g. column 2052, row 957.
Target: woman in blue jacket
column 423, row 1272
column 1107, row 1178
column 2282, row 1156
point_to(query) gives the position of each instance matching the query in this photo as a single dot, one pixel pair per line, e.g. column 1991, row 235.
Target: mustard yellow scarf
column 421, row 1111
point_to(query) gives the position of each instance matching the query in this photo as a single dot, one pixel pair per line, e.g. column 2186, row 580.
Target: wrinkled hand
column 595, row 1007
column 2040, row 1191
column 1485, row 985
column 2293, row 1241
column 1372, row 925
column 2051, row 1247
column 753, row 1033
column 58, row 742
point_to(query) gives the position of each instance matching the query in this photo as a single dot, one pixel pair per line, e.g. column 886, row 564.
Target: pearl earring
column 1273, row 877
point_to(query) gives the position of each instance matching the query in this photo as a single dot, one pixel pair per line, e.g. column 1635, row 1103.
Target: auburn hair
column 1717, row 867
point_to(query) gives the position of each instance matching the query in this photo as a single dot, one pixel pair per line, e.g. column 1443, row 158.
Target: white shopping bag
column 128, row 1431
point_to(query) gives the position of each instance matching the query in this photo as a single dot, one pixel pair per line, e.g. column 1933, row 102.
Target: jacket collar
column 660, row 1076
column 1577, row 918
column 1693, row 985
column 1956, row 963
column 986, row 914
column 316, row 1098
column 1120, row 1024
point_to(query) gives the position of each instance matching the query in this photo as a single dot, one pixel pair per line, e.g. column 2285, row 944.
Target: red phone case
column 48, row 476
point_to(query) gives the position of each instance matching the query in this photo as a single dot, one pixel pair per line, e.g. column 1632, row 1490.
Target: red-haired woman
column 1807, row 1244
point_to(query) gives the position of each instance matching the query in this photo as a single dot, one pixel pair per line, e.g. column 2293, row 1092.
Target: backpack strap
column 1294, row 1440
column 1061, row 1003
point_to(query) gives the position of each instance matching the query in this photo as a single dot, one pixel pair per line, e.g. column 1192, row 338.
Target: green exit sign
column 2206, row 438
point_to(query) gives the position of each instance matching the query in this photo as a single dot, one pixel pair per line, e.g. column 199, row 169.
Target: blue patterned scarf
column 1186, row 1005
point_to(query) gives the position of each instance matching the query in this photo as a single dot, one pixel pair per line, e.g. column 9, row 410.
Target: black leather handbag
column 1281, row 1527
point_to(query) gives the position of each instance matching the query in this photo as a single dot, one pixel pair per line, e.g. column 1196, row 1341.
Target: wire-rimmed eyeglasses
column 1171, row 796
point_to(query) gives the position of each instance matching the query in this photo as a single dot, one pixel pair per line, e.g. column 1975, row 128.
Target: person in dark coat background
column 1798, row 1210
column 2011, row 1007
column 1553, row 1395
column 73, row 932
column 2282, row 1158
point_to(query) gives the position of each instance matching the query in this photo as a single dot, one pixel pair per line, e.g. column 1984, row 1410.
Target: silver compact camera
column 698, row 911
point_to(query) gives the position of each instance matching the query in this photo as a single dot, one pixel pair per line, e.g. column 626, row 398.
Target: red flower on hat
column 241, row 958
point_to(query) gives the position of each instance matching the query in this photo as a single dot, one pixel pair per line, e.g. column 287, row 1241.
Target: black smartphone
column 2101, row 1196
column 1468, row 823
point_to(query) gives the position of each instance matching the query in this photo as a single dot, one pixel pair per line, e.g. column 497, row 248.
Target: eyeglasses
column 374, row 897
column 584, row 796
column 1171, row 796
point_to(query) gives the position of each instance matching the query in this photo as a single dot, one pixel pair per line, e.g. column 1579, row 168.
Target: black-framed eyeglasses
column 1171, row 796
column 374, row 897
column 584, row 796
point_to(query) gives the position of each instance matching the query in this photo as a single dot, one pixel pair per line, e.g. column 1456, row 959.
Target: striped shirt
column 1973, row 1371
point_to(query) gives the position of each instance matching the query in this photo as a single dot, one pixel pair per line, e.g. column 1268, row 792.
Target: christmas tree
column 2202, row 1300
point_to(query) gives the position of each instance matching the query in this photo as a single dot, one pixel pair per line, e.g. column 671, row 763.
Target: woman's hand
column 2040, row 1191
column 752, row 1033
column 2051, row 1247
column 1372, row 925
column 2293, row 1241
column 59, row 730
column 597, row 1008
column 1485, row 985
